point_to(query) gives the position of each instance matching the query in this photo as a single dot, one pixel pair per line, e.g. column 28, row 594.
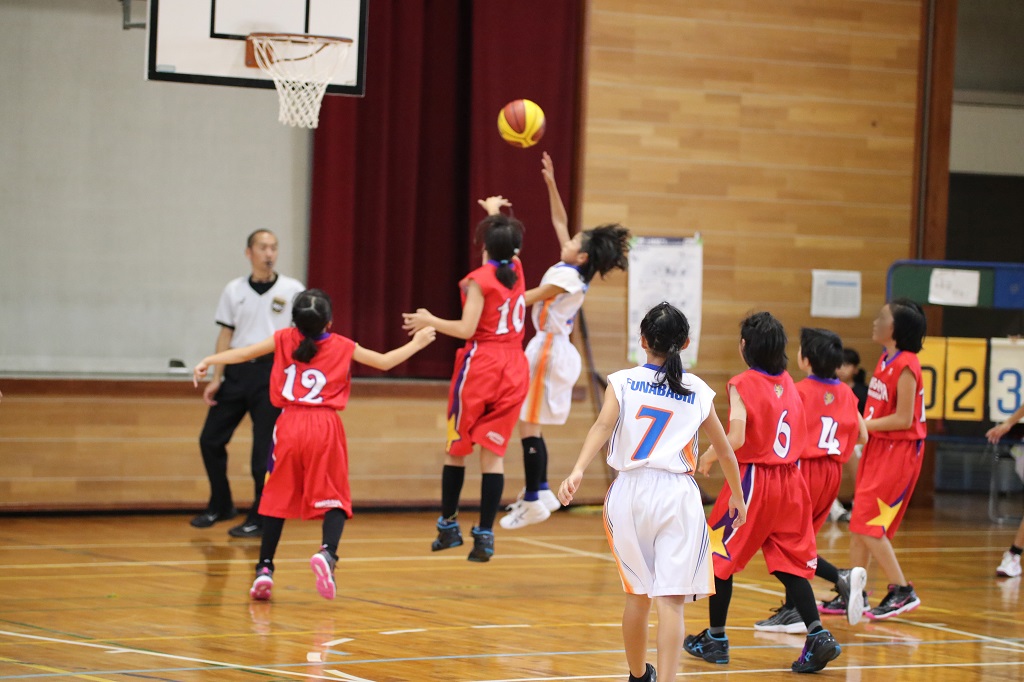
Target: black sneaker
column 819, row 649
column 483, row 545
column 210, row 517
column 786, row 619
column 448, row 535
column 899, row 600
column 705, row 645
column 249, row 529
column 650, row 675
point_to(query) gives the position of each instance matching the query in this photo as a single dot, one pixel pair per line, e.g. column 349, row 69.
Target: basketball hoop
column 301, row 66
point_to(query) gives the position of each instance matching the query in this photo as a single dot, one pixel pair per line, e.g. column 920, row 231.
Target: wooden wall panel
column 783, row 132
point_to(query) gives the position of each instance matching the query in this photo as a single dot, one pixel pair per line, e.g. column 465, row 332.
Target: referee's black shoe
column 209, row 517
column 248, row 529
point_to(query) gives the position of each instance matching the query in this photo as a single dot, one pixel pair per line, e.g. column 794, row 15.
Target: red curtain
column 396, row 174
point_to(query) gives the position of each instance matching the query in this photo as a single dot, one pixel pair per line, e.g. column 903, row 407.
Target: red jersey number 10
column 518, row 315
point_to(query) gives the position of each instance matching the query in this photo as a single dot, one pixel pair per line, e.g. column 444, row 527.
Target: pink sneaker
column 263, row 585
column 322, row 564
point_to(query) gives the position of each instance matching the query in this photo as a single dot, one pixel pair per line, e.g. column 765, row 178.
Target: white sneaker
column 523, row 514
column 550, row 500
column 837, row 511
column 548, row 497
column 1009, row 568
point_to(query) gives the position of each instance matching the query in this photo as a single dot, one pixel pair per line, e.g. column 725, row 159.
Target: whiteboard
column 665, row 269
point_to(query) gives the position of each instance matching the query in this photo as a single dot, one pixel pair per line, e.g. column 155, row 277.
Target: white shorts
column 659, row 535
column 555, row 366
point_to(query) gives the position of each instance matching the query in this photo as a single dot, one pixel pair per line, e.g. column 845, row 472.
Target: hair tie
column 504, row 262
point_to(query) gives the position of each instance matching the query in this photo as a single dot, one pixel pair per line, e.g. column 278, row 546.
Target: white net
column 301, row 66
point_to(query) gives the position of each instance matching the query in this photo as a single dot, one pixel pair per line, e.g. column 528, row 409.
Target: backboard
column 203, row 41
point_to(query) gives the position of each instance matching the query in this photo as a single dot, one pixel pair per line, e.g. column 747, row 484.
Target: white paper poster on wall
column 835, row 293
column 665, row 269
column 954, row 287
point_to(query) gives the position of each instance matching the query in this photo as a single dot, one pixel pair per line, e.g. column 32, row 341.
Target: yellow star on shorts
column 886, row 514
column 453, row 433
column 718, row 541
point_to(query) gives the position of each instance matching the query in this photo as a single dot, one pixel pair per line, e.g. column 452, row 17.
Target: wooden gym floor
column 150, row 598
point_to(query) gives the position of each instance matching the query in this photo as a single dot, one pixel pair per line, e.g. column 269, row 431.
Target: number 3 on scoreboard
column 659, row 420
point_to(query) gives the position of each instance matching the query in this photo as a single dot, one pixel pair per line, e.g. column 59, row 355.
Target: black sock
column 827, row 571
column 801, row 596
column 535, row 455
column 333, row 525
column 491, row 487
column 1014, row 549
column 452, row 478
column 272, row 527
column 718, row 605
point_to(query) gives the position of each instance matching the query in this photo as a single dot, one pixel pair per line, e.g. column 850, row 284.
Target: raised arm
column 559, row 218
column 596, row 438
column 494, row 204
column 232, row 356
column 462, row 328
column 542, row 293
column 386, row 361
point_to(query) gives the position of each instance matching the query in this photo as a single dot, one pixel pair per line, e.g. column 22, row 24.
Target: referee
column 250, row 309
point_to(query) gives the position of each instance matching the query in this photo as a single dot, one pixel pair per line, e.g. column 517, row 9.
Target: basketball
column 521, row 123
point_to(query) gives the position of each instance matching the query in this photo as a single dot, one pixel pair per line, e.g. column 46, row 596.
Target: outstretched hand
column 199, row 372
column 548, row 168
column 424, row 337
column 414, row 322
column 493, row 205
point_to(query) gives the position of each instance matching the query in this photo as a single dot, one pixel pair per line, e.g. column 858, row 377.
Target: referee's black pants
column 246, row 388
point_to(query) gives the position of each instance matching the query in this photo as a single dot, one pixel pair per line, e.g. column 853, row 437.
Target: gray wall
column 124, row 204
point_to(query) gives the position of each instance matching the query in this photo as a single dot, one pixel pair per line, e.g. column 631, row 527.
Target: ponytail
column 666, row 330
column 311, row 312
column 502, row 237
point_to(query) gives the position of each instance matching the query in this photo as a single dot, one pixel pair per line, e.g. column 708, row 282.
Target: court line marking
column 59, row 671
column 346, row 676
column 1002, row 648
column 157, row 654
column 335, row 642
column 762, row 671
column 402, row 632
column 962, row 633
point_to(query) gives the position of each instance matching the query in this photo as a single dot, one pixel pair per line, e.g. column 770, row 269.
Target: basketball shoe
column 545, row 495
column 263, row 585
column 707, row 646
column 786, row 619
column 524, row 513
column 819, row 649
column 448, row 535
column 851, row 585
column 899, row 600
column 322, row 564
column 1010, row 566
column 483, row 545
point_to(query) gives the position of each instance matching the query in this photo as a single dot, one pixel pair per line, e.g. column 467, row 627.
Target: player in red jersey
column 491, row 375
column 891, row 462
column 307, row 475
column 767, row 432
column 834, row 427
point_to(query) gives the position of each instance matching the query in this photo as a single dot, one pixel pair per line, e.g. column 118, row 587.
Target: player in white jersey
column 250, row 310
column 554, row 361
column 653, row 513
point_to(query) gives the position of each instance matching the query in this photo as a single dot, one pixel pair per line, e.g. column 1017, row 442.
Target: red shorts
column 488, row 388
column 885, row 481
column 822, row 476
column 308, row 470
column 778, row 523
